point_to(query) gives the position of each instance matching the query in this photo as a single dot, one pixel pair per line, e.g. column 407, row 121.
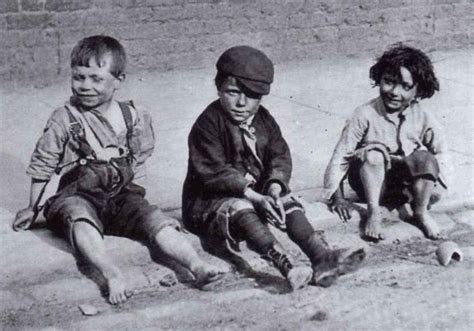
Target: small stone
column 168, row 280
column 88, row 310
column 319, row 316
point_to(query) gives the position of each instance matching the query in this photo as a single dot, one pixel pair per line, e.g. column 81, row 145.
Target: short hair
column 417, row 62
column 220, row 79
column 97, row 47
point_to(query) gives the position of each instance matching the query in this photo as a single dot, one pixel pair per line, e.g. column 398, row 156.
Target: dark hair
column 220, row 79
column 97, row 47
column 417, row 62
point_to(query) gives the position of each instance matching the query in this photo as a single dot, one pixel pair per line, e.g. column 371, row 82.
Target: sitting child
column 99, row 145
column 238, row 174
column 391, row 150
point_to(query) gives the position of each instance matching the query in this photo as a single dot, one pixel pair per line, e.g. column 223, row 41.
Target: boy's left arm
column 279, row 164
column 147, row 141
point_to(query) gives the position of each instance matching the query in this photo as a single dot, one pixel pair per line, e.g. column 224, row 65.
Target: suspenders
column 78, row 132
column 127, row 115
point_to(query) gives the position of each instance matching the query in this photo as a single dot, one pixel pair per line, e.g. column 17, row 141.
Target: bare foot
column 429, row 226
column 373, row 225
column 117, row 290
column 207, row 273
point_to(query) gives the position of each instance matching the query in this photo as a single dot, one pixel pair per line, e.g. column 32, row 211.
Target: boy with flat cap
column 238, row 174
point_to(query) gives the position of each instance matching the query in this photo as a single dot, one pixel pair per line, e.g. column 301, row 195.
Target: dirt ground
column 401, row 285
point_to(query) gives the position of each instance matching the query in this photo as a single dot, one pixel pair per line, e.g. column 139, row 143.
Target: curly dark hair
column 417, row 62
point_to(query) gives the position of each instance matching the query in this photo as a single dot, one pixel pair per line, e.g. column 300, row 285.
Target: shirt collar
column 249, row 120
column 383, row 111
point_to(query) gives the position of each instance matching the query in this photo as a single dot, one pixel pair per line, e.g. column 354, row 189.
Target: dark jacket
column 219, row 160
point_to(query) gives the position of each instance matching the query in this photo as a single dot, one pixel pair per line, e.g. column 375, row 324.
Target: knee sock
column 302, row 233
column 246, row 225
column 259, row 238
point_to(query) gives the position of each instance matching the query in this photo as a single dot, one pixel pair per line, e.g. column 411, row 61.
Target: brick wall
column 36, row 36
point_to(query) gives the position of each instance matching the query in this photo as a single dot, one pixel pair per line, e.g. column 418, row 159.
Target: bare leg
column 423, row 189
column 372, row 174
column 90, row 244
column 174, row 244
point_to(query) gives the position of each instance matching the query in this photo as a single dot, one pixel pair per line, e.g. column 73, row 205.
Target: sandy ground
column 401, row 285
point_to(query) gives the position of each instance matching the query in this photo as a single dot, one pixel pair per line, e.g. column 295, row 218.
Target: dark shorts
column 128, row 214
column 399, row 178
column 215, row 223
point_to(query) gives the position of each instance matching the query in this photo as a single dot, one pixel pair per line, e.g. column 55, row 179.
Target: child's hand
column 274, row 191
column 267, row 206
column 342, row 208
column 23, row 219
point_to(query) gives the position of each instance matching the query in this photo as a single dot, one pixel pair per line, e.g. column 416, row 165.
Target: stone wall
column 36, row 36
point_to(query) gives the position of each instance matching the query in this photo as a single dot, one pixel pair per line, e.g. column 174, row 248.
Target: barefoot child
column 392, row 150
column 100, row 145
column 238, row 174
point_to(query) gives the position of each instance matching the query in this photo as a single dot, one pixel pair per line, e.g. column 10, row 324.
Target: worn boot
column 329, row 264
column 335, row 263
column 297, row 276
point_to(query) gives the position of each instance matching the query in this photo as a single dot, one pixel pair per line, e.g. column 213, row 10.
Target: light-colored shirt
column 54, row 151
column 402, row 133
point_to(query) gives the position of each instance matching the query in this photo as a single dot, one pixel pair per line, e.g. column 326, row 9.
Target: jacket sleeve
column 208, row 162
column 278, row 164
column 49, row 149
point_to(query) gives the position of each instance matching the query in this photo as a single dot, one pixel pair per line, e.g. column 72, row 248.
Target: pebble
column 88, row 310
column 319, row 316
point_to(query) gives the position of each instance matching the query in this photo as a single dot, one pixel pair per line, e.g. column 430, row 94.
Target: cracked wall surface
column 37, row 35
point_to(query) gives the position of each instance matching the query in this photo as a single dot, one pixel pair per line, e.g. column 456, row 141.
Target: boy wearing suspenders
column 99, row 146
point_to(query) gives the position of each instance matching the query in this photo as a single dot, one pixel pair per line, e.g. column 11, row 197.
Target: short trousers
column 127, row 214
column 396, row 189
column 218, row 226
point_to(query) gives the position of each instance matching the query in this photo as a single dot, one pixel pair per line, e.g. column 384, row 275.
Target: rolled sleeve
column 49, row 150
column 353, row 132
column 146, row 139
column 435, row 141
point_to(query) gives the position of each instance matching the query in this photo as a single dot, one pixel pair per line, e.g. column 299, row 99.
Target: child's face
column 94, row 86
column 397, row 93
column 238, row 105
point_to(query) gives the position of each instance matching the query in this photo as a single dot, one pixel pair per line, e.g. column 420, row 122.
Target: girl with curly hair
column 392, row 151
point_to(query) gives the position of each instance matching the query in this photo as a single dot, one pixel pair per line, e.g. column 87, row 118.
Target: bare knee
column 436, row 194
column 81, row 227
column 374, row 159
column 240, row 204
column 167, row 236
column 83, row 230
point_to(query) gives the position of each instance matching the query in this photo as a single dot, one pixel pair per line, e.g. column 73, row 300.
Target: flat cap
column 251, row 67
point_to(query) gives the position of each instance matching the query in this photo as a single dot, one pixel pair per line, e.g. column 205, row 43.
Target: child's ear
column 121, row 77
column 119, row 80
